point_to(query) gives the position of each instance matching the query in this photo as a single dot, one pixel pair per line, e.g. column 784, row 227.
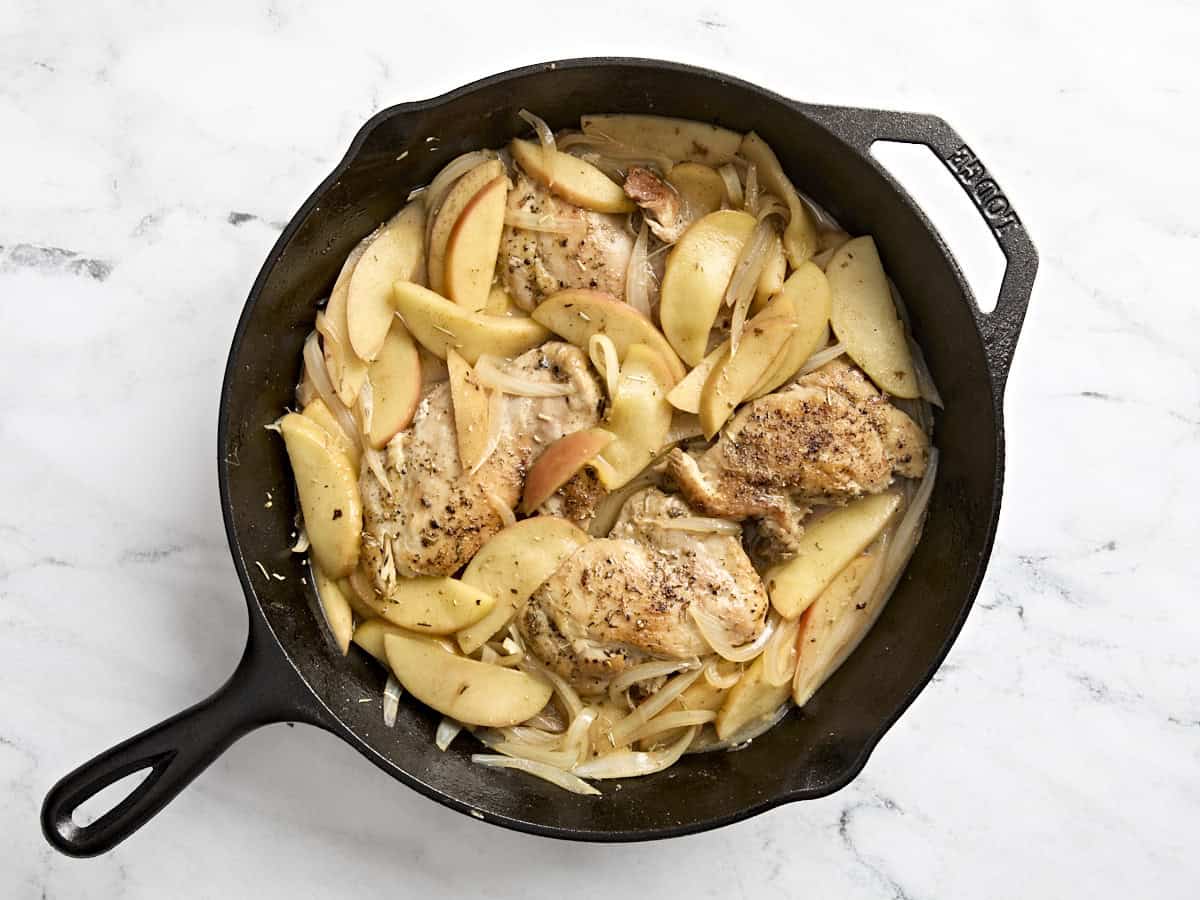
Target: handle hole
column 924, row 177
column 109, row 797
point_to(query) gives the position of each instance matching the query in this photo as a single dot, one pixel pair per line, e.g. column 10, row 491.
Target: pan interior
column 809, row 753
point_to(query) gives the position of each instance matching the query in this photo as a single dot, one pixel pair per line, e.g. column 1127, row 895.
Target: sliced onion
column 751, row 199
column 447, row 731
column 770, row 205
column 598, row 144
column 495, row 426
column 669, row 721
column 366, row 406
column 779, row 656
column 651, row 707
column 692, row 524
column 908, row 532
column 490, row 374
column 503, row 510
column 433, row 195
column 733, row 186
column 566, row 693
column 305, row 392
column 363, row 587
column 646, row 671
column 716, row 680
column 746, row 273
column 565, row 225
column 555, row 776
column 546, row 139
column 314, row 367
column 375, row 463
column 925, row 384
column 820, row 358
column 609, row 508
column 526, row 734
column 632, row 763
column 603, row 354
column 391, row 701
column 302, row 542
column 713, row 632
column 748, row 733
column 637, row 274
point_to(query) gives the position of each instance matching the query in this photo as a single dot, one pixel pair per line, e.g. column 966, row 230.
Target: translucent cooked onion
column 305, row 392
column 751, row 191
column 507, row 518
column 908, row 532
column 495, row 425
column 554, row 775
column 925, row 384
column 545, row 138
column 714, row 633
column 744, row 280
column 375, row 462
column 746, row 735
column 669, row 721
column 566, row 693
column 693, row 524
column 820, row 358
column 489, row 371
column 646, row 671
column 733, row 186
column 714, row 677
column 632, row 763
column 779, row 656
column 366, row 406
column 637, row 274
column 565, row 225
column 526, row 734
column 770, row 205
column 391, row 701
column 603, row 354
column 447, row 731
column 314, row 367
column 433, row 195
column 302, row 542
column 651, row 707
column 609, row 507
column 598, row 144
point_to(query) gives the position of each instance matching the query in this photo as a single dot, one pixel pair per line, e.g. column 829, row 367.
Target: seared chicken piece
column 620, row 600
column 576, row 501
column 828, row 438
column 437, row 515
column 539, row 263
column 661, row 204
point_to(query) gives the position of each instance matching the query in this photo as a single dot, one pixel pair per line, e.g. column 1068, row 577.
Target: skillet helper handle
column 1002, row 326
column 172, row 753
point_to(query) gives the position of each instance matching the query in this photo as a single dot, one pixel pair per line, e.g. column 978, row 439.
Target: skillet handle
column 172, row 753
column 1001, row 327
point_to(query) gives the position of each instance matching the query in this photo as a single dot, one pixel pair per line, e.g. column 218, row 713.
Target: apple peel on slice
column 559, row 463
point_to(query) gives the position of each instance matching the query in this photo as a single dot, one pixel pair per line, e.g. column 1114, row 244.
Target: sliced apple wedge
column 395, row 385
column 432, row 604
column 800, row 236
column 770, row 282
column 441, row 325
column 573, row 179
column 864, row 318
column 683, row 139
column 752, row 699
column 448, row 214
column 832, row 627
column 560, row 462
column 640, row 418
column 575, row 315
column 685, row 396
column 734, row 376
column 370, row 634
column 346, row 370
column 473, row 244
column 512, row 565
column 696, row 276
column 319, row 413
column 826, row 547
column 700, row 187
column 328, row 489
column 338, row 615
column 807, row 289
column 475, row 693
column 396, row 254
column 469, row 399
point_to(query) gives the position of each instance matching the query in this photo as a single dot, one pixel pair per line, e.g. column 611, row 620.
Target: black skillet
column 291, row 671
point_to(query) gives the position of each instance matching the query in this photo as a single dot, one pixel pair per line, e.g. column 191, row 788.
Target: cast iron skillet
column 290, row 670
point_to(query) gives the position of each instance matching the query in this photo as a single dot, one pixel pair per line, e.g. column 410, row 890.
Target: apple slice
column 685, row 396
column 395, row 385
column 575, row 315
column 752, row 699
column 640, row 418
column 683, row 139
column 559, row 463
column 733, row 377
column 396, row 254
column 473, row 692
column 697, row 274
column 370, row 634
column 512, row 565
column 473, row 245
column 432, row 604
column 448, row 214
column 441, row 325
column 469, row 399
column 319, row 413
column 807, row 289
column 328, row 488
column 571, row 178
column 338, row 615
column 770, row 282
column 346, row 371
column 800, row 236
column 826, row 547
column 700, row 187
column 864, row 318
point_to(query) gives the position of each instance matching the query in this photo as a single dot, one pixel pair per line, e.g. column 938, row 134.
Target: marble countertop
column 151, row 155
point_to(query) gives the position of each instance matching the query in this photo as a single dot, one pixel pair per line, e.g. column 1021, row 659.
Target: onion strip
column 520, row 218
column 710, row 630
column 693, row 525
column 716, row 680
column 447, row 731
column 491, row 375
column 820, row 358
column 632, row 763
column 651, row 707
column 391, row 700
column 314, row 367
column 603, row 354
column 433, row 195
column 503, row 510
column 779, row 657
column 733, row 186
column 746, row 272
column 637, row 274
column 751, row 191
column 546, row 139
column 495, row 426
column 601, row 145
column 554, row 775
column 669, row 721
column 748, row 733
column 568, row 695
column 646, row 671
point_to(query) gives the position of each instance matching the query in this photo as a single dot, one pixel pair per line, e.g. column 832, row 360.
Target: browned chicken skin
column 661, row 204
column 828, row 438
column 437, row 515
column 620, row 600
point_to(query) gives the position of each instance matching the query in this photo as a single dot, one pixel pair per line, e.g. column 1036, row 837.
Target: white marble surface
column 1058, row 751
